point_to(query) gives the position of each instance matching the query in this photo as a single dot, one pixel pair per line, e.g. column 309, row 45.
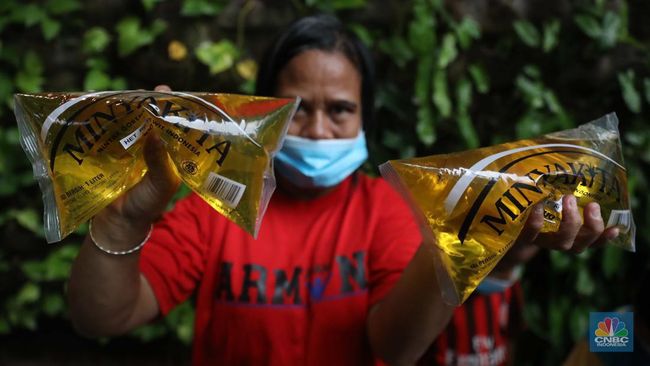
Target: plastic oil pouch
column 87, row 149
column 474, row 204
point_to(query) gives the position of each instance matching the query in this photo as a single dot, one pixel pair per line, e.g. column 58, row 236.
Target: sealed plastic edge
column 269, row 173
column 29, row 143
column 609, row 123
column 446, row 284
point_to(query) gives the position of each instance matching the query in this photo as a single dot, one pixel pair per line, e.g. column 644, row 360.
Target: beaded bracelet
column 117, row 252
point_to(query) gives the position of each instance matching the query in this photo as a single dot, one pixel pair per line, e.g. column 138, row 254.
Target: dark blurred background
column 452, row 75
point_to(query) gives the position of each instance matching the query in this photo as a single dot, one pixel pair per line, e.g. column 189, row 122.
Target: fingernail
column 539, row 209
column 595, row 212
column 572, row 203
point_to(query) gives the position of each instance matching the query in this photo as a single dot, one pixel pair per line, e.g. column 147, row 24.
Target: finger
column 569, row 227
column 591, row 229
column 533, row 225
column 162, row 88
column 609, row 234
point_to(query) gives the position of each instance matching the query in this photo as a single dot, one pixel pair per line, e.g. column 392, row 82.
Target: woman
column 337, row 274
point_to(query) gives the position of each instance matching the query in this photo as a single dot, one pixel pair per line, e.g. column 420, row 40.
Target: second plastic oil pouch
column 474, row 204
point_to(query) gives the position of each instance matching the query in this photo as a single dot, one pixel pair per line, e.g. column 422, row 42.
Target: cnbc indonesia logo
column 611, row 333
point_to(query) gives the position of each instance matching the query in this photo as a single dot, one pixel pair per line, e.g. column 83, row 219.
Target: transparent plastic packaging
column 86, row 149
column 472, row 205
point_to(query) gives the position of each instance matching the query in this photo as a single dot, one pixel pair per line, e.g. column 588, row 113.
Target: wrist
column 116, row 234
column 499, row 282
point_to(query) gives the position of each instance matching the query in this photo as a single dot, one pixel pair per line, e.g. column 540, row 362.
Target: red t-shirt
column 300, row 293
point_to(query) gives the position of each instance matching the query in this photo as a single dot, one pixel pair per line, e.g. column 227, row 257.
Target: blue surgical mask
column 320, row 163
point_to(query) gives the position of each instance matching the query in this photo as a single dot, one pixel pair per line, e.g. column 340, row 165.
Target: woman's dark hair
column 319, row 32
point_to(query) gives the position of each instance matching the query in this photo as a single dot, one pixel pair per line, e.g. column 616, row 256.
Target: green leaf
column 463, row 95
column 57, row 265
column 96, row 80
column 95, row 40
column 132, row 36
column 33, row 63
column 119, row 84
column 363, row 33
column 557, row 314
column 534, row 318
column 559, row 261
column 50, row 28
column 424, row 128
column 247, row 86
column 440, row 96
column 201, row 7
column 612, row 261
column 467, row 130
column 448, row 52
column 551, row 35
column 579, row 322
column 589, row 25
column 4, row 326
column 150, row 332
column 425, row 120
column 97, row 63
column 218, row 56
column 480, row 78
column 423, row 79
column 392, row 139
column 29, row 79
column 610, row 29
column 59, row 7
column 527, row 32
column 465, row 124
column 552, row 102
column 34, row 270
column 29, row 15
column 150, row 4
column 630, row 94
column 28, row 294
column 532, row 71
column 584, row 283
column 398, row 49
column 29, row 219
column 6, row 87
column 422, row 36
column 347, row 4
column 532, row 91
column 53, row 304
column 646, row 89
column 466, row 31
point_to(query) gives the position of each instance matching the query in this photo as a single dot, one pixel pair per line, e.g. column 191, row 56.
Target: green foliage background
column 452, row 75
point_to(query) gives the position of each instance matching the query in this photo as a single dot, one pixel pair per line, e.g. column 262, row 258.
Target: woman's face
column 330, row 88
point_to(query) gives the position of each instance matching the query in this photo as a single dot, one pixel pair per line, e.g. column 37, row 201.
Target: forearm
column 520, row 254
column 408, row 320
column 106, row 293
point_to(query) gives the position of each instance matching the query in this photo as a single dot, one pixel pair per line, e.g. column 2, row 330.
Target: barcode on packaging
column 224, row 189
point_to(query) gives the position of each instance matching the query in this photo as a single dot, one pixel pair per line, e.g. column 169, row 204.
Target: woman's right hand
column 126, row 221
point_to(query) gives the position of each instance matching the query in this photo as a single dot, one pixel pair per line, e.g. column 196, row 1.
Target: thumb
column 149, row 198
column 162, row 88
column 160, row 171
